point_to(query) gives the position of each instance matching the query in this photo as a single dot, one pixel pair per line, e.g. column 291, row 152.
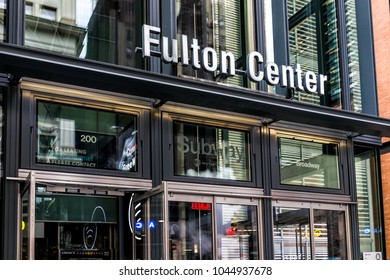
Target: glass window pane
column 75, row 208
column 3, row 7
column 102, row 30
column 366, row 176
column 211, row 152
column 329, row 235
column 308, row 163
column 85, row 137
column 190, row 231
column 313, row 40
column 237, row 233
column 221, row 25
column 353, row 56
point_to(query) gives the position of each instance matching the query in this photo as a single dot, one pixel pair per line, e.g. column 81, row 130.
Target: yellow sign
column 23, row 225
column 317, row 232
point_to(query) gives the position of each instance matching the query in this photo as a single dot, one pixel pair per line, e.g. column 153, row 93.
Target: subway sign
column 207, row 59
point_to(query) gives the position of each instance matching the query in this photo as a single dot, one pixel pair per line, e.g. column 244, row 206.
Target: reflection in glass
column 101, row 30
column 308, row 163
column 190, row 231
column 71, row 241
column 329, row 235
column 237, row 234
column 222, row 25
column 291, row 234
column 3, row 10
column 85, row 137
column 313, row 41
column 369, row 203
column 211, row 152
column 294, row 233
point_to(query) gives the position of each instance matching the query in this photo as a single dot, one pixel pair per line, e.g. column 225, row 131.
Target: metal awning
column 23, row 62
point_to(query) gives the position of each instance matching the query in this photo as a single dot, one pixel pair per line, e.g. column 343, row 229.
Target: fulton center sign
column 208, row 60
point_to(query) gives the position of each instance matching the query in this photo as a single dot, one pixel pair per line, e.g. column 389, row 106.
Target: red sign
column 201, row 206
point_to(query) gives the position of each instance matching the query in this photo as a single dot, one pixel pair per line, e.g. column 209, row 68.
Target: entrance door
column 305, row 231
column 205, row 228
column 63, row 225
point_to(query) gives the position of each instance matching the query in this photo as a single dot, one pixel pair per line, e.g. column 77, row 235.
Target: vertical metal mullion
column 15, row 21
column 31, row 213
column 311, row 224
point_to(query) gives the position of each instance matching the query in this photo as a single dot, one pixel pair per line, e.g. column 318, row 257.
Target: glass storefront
column 85, row 137
column 211, row 152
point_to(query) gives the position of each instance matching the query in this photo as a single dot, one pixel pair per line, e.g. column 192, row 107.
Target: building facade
column 381, row 19
column 190, row 130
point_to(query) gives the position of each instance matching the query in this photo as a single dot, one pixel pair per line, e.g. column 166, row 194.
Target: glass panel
column 101, row 30
column 237, row 233
column 156, row 232
column 291, row 234
column 69, row 241
column 221, row 25
column 75, row 208
column 369, row 202
column 3, row 10
column 329, row 235
column 308, row 163
column 25, row 226
column 353, row 56
column 190, row 231
column 84, row 137
column 313, row 40
column 211, row 152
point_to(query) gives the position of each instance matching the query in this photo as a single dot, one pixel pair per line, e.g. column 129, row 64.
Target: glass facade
column 84, row 137
column 210, row 181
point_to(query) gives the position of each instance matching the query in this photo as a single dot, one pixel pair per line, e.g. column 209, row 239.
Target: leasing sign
column 207, row 59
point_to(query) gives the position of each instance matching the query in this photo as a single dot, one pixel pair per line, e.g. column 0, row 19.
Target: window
column 222, row 25
column 368, row 196
column 211, row 152
column 47, row 12
column 3, row 8
column 313, row 40
column 304, row 162
column 102, row 30
column 84, row 137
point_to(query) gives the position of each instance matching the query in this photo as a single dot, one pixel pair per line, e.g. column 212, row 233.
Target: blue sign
column 367, row 230
column 139, row 225
column 152, row 224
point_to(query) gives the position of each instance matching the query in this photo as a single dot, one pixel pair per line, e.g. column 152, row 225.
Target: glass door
column 305, row 231
column 237, row 231
column 190, row 229
column 204, row 228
